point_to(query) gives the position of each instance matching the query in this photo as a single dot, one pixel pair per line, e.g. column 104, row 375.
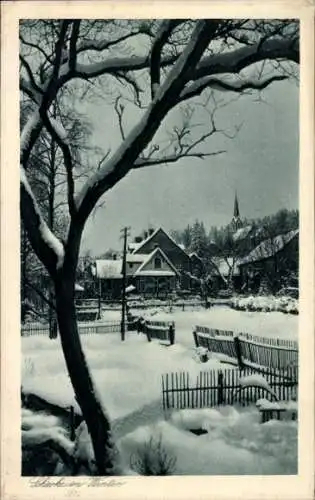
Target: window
column 157, row 263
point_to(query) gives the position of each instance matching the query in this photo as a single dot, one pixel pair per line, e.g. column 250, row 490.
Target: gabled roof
column 108, row 268
column 151, row 236
column 269, row 247
column 156, row 272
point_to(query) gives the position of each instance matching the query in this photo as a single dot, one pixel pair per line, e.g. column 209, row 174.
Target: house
column 155, row 265
column 273, row 258
column 174, row 252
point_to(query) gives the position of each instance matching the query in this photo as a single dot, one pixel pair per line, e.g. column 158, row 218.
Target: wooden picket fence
column 161, row 330
column 248, row 349
column 212, row 388
column 87, row 328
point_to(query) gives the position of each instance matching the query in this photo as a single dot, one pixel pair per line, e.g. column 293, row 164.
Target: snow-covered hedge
column 266, row 303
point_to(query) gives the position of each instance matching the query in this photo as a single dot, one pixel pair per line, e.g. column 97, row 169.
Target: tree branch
column 148, row 162
column 161, row 38
column 47, row 247
column 66, row 156
column 223, row 85
column 236, row 60
column 73, row 45
column 119, row 108
column 30, row 75
column 40, row 294
column 101, row 45
column 124, row 158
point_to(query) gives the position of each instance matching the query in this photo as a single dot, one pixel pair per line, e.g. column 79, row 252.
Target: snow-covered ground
column 235, row 443
column 127, row 376
column 272, row 324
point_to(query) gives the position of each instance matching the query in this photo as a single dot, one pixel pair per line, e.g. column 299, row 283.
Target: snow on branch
column 59, row 135
column 47, row 246
column 166, row 28
column 29, row 128
column 137, row 140
column 236, row 60
column 228, row 85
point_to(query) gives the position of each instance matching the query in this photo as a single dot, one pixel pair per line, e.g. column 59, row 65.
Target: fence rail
column 84, row 328
column 161, row 330
column 213, row 388
column 247, row 348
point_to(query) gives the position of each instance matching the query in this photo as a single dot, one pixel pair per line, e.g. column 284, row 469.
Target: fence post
column 195, row 338
column 220, row 388
column 147, row 332
column 238, row 351
column 172, row 333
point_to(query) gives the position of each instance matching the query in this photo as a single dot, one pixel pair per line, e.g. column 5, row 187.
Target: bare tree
column 179, row 61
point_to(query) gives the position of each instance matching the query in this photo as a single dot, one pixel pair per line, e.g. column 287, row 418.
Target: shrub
column 152, row 459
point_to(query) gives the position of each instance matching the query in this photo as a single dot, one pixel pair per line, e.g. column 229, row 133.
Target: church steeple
column 236, row 220
column 236, row 214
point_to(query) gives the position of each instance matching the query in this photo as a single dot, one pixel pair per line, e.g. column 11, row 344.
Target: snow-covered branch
column 58, row 134
column 124, row 158
column 166, row 28
column 228, row 85
column 29, row 130
column 236, row 60
column 46, row 245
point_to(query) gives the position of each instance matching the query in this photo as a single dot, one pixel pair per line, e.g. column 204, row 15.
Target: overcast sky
column 261, row 163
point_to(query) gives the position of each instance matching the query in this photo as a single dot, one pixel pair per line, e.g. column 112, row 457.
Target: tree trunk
column 93, row 414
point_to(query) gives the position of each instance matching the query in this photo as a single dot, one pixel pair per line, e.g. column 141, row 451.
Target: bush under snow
column 266, row 303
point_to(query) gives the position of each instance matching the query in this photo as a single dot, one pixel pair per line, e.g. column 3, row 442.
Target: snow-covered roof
column 224, row 265
column 269, row 247
column 242, row 233
column 108, row 268
column 151, row 236
column 156, row 272
column 137, row 257
column 78, row 288
column 133, row 246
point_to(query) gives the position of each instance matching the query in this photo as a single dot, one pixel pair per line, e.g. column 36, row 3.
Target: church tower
column 236, row 220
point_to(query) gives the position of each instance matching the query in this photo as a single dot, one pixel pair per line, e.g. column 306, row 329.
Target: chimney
column 114, row 256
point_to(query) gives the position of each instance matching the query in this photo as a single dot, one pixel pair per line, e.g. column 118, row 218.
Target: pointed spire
column 236, row 207
column 236, row 220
